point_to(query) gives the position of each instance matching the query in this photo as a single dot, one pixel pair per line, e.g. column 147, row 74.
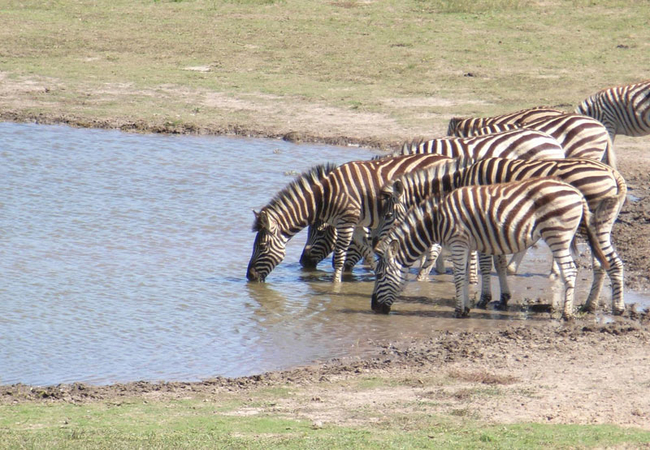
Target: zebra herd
column 495, row 185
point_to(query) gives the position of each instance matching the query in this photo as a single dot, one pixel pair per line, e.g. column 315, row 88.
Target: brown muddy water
column 123, row 258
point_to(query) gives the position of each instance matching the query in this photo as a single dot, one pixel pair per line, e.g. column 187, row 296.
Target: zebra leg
column 596, row 286
column 603, row 221
column 432, row 256
column 473, row 268
column 568, row 272
column 501, row 265
column 343, row 239
column 460, row 256
column 515, row 262
column 485, row 266
column 360, row 238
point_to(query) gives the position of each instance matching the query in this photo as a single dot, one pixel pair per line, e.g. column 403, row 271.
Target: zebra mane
column 414, row 215
column 303, row 182
column 409, row 147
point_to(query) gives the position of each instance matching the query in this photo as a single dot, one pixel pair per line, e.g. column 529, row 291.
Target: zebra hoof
column 461, row 314
column 485, row 299
column 568, row 317
column 618, row 311
column 503, row 302
column 587, row 308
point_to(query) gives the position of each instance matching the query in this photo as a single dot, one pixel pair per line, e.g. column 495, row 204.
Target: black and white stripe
column 493, row 220
column 579, row 135
column 517, row 143
column 602, row 186
column 344, row 197
column 621, row 109
column 321, row 239
column 467, row 126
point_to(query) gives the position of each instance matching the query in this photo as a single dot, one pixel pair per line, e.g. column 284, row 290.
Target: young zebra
column 622, row 109
column 321, row 239
column 344, row 197
column 580, row 136
column 603, row 187
column 517, row 143
column 466, row 126
column 496, row 219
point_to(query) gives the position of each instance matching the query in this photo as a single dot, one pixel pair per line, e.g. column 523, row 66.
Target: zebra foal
column 344, row 197
column 621, row 109
column 496, row 219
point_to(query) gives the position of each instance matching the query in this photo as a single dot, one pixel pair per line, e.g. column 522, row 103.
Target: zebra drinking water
column 603, row 187
column 344, row 197
column 496, row 219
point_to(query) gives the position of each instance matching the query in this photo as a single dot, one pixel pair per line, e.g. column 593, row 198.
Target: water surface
column 123, row 258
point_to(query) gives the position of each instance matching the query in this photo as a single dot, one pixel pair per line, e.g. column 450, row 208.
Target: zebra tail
column 596, row 249
column 609, row 157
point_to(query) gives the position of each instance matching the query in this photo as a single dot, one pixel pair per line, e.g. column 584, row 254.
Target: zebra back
column 357, row 184
column 597, row 181
column 464, row 127
column 493, row 219
column 581, row 136
column 516, row 143
column 622, row 109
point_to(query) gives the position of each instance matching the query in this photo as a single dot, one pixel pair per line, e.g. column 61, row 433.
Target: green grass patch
column 470, row 57
column 201, row 424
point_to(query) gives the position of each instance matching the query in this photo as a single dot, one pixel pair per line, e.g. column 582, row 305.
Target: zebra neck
column 293, row 214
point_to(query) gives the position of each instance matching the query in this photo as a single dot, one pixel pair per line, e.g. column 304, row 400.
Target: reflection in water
column 123, row 258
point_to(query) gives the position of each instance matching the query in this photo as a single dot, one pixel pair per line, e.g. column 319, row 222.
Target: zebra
column 581, row 136
column 466, row 126
column 621, row 109
column 602, row 186
column 494, row 219
column 517, row 143
column 343, row 197
column 321, row 239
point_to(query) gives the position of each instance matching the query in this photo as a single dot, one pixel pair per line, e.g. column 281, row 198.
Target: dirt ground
column 593, row 370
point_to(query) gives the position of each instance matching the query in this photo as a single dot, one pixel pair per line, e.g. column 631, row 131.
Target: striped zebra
column 466, row 126
column 579, row 135
column 621, row 109
column 344, row 197
column 602, row 186
column 517, row 143
column 496, row 219
column 321, row 240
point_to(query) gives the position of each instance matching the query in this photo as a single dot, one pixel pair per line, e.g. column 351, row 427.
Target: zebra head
column 321, row 238
column 391, row 209
column 269, row 247
column 390, row 276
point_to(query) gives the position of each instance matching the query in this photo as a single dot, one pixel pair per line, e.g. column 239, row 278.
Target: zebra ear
column 390, row 249
column 262, row 220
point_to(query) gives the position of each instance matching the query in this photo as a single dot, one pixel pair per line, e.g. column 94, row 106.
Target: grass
column 160, row 61
column 201, row 424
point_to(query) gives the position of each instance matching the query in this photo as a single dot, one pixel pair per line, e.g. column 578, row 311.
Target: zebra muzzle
column 380, row 308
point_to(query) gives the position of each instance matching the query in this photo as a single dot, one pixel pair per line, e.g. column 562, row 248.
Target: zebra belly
column 491, row 240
